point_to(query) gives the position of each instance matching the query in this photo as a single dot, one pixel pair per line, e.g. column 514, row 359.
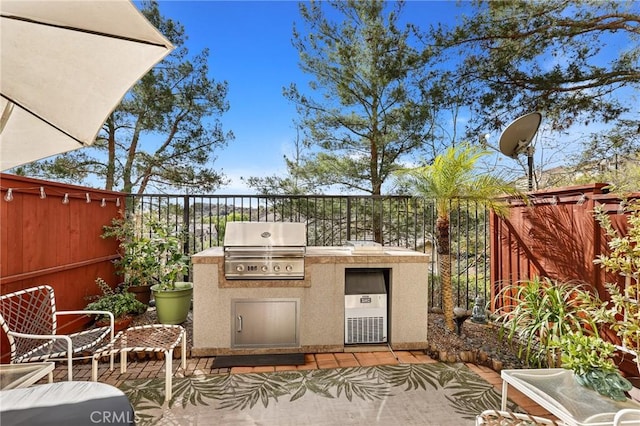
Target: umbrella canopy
column 64, row 67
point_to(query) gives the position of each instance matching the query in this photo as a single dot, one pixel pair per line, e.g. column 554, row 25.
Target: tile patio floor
column 202, row 366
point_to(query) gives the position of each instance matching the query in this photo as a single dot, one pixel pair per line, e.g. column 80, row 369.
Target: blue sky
column 250, row 47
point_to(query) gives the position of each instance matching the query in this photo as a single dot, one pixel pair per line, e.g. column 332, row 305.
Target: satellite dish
column 516, row 139
column 518, row 135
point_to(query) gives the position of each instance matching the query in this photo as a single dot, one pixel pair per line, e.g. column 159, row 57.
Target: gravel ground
column 477, row 343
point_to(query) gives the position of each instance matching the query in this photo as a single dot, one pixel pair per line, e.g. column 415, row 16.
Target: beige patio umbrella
column 64, row 67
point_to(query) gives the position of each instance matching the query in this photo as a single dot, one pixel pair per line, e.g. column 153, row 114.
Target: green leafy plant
column 538, row 313
column 137, row 257
column 150, row 251
column 119, row 303
column 590, row 358
column 172, row 263
column 622, row 312
column 583, row 353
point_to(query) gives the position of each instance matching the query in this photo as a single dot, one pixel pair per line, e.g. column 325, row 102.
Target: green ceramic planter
column 172, row 306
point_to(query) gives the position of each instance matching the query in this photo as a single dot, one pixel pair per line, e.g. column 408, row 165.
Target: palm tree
column 451, row 178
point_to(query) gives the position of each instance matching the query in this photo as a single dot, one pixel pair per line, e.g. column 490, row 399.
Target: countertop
column 335, row 253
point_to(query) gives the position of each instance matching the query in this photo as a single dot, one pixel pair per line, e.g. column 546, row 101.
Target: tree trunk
column 377, row 220
column 444, row 264
column 111, row 155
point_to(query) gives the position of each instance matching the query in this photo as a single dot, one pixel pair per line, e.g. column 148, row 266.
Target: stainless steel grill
column 264, row 250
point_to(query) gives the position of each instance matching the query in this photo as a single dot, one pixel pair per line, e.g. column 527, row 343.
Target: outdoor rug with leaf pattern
column 406, row 394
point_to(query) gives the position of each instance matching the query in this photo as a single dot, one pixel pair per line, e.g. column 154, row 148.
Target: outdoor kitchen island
column 252, row 316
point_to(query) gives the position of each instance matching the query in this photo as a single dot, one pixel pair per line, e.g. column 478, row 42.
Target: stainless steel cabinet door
column 262, row 323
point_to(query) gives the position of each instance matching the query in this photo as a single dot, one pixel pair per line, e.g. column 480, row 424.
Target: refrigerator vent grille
column 365, row 330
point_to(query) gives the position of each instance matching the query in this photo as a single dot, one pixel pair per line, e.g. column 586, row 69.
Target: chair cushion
column 66, row 403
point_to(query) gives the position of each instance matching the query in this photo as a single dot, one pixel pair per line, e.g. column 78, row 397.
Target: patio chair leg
column 69, row 359
column 94, row 369
column 123, row 362
column 503, row 400
column 184, row 352
column 168, row 366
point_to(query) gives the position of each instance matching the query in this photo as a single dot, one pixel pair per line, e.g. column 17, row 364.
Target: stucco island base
column 319, row 322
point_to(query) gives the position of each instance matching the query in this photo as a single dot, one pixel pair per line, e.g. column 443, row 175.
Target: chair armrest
column 495, row 417
column 632, row 412
column 40, row 336
column 83, row 312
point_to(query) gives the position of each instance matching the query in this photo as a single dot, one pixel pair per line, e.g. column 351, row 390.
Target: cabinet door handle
column 239, row 329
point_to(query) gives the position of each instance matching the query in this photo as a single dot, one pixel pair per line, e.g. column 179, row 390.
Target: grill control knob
column 264, row 268
column 276, row 268
column 289, row 268
column 240, row 268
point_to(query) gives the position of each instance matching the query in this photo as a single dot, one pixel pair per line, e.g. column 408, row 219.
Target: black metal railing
column 398, row 221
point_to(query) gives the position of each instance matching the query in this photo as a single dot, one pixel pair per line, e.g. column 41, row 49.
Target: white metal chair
column 29, row 318
column 509, row 418
column 627, row 416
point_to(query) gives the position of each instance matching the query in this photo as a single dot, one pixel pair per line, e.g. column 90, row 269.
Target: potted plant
column 172, row 297
column 138, row 262
column 120, row 303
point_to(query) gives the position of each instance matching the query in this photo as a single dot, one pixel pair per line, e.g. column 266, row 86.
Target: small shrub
column 590, row 358
column 538, row 313
column 119, row 303
column 584, row 353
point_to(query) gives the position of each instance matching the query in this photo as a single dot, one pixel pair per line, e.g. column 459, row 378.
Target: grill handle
column 239, row 322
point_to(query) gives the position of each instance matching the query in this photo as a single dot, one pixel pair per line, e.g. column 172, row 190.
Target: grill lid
column 265, row 234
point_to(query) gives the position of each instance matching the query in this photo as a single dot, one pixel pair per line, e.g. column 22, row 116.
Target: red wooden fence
column 556, row 236
column 50, row 234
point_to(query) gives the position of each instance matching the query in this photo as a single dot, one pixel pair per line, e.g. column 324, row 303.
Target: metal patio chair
column 509, row 418
column 629, row 416
column 29, row 318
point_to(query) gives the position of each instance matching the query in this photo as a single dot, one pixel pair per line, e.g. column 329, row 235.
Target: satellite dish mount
column 516, row 139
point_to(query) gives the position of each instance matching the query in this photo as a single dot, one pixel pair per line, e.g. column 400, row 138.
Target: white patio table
column 14, row 376
column 557, row 391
